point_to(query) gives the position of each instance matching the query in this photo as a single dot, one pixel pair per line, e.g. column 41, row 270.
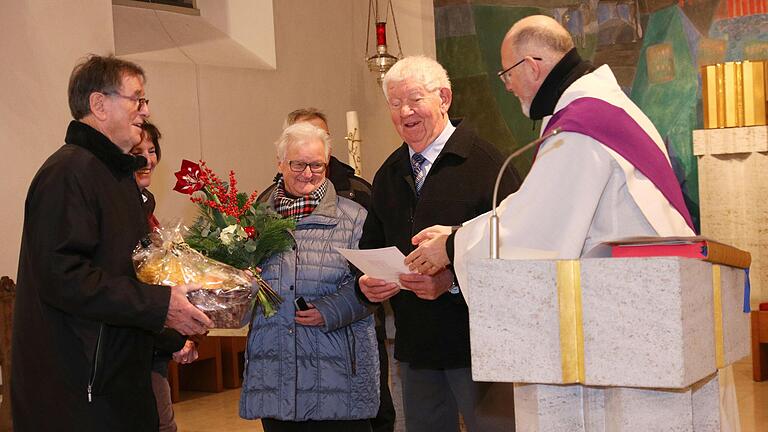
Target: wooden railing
column 7, row 296
column 760, row 343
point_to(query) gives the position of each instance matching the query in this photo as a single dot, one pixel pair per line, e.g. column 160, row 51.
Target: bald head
column 529, row 52
column 538, row 35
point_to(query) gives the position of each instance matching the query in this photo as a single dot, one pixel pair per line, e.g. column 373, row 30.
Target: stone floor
column 209, row 412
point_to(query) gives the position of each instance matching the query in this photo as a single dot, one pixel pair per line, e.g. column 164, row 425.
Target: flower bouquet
column 232, row 228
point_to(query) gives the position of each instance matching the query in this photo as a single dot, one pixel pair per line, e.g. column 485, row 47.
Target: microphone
column 494, row 234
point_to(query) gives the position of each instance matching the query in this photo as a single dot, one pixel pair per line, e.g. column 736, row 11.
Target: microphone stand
column 494, row 234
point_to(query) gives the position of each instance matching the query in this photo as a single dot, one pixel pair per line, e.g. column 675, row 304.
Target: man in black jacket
column 443, row 174
column 83, row 325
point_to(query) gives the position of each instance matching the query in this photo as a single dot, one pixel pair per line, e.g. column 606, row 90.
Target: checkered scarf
column 300, row 207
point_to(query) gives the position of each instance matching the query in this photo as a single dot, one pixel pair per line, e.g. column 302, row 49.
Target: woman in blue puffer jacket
column 317, row 369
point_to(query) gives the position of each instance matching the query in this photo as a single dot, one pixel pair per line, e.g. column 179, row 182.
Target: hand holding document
column 386, row 263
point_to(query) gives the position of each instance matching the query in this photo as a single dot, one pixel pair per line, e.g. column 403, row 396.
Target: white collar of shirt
column 433, row 150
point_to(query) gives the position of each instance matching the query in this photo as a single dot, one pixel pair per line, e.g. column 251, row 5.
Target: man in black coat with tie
column 442, row 174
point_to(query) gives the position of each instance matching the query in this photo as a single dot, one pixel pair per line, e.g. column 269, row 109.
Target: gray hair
column 300, row 134
column 555, row 38
column 424, row 70
column 304, row 113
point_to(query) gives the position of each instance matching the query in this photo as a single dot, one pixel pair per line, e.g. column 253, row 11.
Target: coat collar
column 570, row 68
column 327, row 206
column 458, row 144
column 325, row 213
column 339, row 173
column 83, row 135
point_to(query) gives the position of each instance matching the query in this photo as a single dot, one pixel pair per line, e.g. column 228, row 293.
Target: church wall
column 228, row 116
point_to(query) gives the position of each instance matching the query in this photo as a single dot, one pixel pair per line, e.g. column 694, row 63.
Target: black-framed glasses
column 314, row 167
column 141, row 101
column 504, row 75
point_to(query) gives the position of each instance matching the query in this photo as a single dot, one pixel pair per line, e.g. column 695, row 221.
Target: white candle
column 353, row 141
column 352, row 122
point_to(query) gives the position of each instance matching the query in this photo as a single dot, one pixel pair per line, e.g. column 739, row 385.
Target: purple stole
column 615, row 129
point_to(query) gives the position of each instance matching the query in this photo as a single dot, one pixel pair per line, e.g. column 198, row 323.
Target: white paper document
column 384, row 263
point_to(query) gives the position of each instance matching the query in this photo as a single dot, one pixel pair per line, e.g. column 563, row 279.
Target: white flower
column 232, row 234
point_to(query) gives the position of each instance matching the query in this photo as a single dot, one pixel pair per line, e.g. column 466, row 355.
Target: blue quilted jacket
column 295, row 372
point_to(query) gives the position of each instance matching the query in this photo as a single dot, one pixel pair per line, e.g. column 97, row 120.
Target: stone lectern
column 608, row 344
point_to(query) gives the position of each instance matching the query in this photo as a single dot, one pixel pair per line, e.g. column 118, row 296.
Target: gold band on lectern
column 571, row 321
column 717, row 302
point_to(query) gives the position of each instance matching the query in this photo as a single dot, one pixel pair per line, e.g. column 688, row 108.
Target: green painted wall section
column 491, row 24
column 472, row 62
column 460, row 56
column 671, row 105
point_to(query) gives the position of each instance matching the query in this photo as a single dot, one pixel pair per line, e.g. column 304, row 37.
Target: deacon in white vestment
column 606, row 176
column 579, row 191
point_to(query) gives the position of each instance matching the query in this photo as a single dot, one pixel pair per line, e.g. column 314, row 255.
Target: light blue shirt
column 433, row 150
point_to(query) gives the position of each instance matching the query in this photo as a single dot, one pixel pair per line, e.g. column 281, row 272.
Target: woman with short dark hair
column 168, row 343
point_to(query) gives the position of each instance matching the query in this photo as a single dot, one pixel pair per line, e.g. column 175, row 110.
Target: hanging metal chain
column 397, row 33
column 368, row 26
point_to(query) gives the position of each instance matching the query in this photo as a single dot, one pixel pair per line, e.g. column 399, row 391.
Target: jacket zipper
column 295, row 267
column 95, row 364
column 293, row 324
column 351, row 349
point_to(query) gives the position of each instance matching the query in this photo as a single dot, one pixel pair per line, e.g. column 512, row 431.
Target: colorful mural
column 654, row 47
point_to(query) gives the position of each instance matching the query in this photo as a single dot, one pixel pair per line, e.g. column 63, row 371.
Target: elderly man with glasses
column 606, row 176
column 84, row 325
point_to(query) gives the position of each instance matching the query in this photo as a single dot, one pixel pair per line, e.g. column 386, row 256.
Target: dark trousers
column 385, row 418
column 272, row 425
column 433, row 399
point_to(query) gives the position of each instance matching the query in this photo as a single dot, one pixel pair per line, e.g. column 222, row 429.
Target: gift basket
column 221, row 250
column 227, row 295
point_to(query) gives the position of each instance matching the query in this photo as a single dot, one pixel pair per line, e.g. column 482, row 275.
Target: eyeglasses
column 314, row 167
column 504, row 75
column 141, row 101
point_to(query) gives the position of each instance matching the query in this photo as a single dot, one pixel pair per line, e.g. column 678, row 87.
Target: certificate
column 385, row 263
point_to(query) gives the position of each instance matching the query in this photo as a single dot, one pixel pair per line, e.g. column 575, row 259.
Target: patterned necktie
column 417, row 160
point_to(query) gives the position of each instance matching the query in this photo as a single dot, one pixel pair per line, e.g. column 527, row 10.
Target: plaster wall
column 228, row 116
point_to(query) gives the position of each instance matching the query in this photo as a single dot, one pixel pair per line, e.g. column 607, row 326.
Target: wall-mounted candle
column 353, row 142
